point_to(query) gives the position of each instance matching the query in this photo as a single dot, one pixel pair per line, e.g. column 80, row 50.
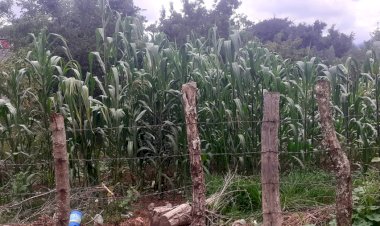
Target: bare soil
column 315, row 216
column 141, row 215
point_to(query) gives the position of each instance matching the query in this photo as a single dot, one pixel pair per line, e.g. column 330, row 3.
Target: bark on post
column 189, row 96
column 270, row 179
column 339, row 159
column 61, row 166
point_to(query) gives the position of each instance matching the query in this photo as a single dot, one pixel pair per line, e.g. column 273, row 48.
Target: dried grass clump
column 315, row 216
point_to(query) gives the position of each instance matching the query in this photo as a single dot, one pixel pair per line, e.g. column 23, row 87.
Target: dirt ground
column 141, row 215
column 315, row 216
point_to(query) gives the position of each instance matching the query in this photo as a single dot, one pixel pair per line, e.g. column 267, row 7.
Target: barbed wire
column 183, row 124
column 70, row 129
column 208, row 154
column 87, row 190
column 139, row 195
column 113, row 197
column 236, row 181
column 107, row 159
column 100, row 188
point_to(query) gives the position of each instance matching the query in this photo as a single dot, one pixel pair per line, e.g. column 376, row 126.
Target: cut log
column 181, row 215
column 175, row 215
column 162, row 209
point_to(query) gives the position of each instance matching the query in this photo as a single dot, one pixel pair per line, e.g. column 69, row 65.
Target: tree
column 5, row 8
column 5, row 11
column 125, row 7
column 311, row 35
column 342, row 43
column 197, row 19
column 173, row 26
column 283, row 36
column 241, row 21
column 266, row 30
column 375, row 37
column 194, row 18
column 65, row 17
column 222, row 14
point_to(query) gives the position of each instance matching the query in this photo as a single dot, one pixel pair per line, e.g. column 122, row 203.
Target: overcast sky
column 358, row 16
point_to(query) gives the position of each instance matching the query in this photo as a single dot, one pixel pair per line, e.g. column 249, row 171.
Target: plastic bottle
column 75, row 218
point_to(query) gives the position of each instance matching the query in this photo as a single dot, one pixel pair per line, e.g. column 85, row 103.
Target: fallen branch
column 26, row 200
column 177, row 215
column 181, row 214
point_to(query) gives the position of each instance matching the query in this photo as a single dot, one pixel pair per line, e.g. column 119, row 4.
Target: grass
column 299, row 190
column 304, row 189
column 366, row 198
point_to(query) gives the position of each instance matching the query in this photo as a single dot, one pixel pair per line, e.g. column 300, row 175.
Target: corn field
column 128, row 105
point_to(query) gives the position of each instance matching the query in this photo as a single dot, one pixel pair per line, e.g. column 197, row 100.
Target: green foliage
column 296, row 41
column 133, row 82
column 245, row 194
column 196, row 19
column 366, row 197
column 5, row 9
column 299, row 190
column 66, row 18
column 22, row 182
column 303, row 189
column 123, row 111
column 268, row 29
column 115, row 210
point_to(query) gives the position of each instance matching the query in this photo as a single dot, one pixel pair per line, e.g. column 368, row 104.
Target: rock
column 240, row 222
column 151, row 206
column 98, row 220
column 127, row 215
column 375, row 162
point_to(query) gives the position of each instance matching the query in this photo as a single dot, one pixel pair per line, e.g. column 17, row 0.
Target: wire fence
column 99, row 197
column 100, row 188
column 29, row 196
column 6, row 163
column 208, row 122
column 238, row 183
column 182, row 124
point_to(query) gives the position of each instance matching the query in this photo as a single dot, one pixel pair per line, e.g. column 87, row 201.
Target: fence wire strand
column 93, row 189
column 4, row 163
column 94, row 129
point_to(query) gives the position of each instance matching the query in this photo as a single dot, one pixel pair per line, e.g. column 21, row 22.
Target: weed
column 366, row 197
column 299, row 190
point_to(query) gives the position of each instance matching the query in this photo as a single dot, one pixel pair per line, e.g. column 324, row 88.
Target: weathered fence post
column 270, row 179
column 61, row 166
column 189, row 97
column 339, row 159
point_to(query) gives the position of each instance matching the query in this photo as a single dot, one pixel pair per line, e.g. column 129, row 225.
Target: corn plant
column 126, row 110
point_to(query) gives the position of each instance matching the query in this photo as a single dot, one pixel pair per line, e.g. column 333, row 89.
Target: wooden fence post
column 270, row 179
column 189, row 97
column 61, row 168
column 339, row 159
